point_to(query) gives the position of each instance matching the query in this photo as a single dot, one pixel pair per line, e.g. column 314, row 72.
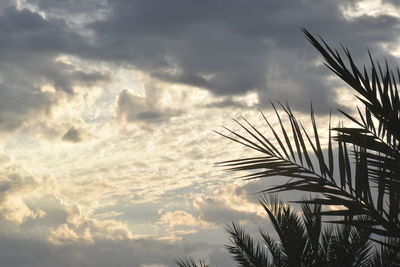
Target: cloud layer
column 107, row 110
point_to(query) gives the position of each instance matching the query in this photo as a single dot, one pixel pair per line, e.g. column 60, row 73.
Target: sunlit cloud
column 108, row 111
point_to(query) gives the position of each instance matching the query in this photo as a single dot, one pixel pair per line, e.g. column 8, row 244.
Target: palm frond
column 289, row 227
column 243, row 248
column 275, row 248
column 388, row 255
column 312, row 222
column 366, row 178
column 190, row 262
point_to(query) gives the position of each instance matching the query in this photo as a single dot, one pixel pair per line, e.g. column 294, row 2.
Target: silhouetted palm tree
column 366, row 181
column 302, row 241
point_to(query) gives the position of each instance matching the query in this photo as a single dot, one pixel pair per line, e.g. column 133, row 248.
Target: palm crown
column 362, row 178
column 367, row 179
column 302, row 241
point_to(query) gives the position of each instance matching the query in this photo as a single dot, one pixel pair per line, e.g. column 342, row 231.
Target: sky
column 108, row 107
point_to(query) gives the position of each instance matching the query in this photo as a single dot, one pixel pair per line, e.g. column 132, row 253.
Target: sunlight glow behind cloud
column 107, row 112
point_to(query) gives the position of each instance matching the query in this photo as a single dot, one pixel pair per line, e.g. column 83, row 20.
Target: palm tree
column 366, row 181
column 302, row 241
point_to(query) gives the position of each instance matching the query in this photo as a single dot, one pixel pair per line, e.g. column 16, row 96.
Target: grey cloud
column 18, row 104
column 228, row 49
column 7, row 3
column 72, row 135
column 147, row 115
column 394, row 2
column 131, row 107
column 214, row 211
column 227, row 102
column 217, row 209
column 29, row 45
column 236, row 47
column 69, row 6
column 125, row 253
column 77, row 134
column 27, row 32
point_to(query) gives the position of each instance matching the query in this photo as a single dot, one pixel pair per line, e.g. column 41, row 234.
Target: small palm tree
column 302, row 241
column 366, row 180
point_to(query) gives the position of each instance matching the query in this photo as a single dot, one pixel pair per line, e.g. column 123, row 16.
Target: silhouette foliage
column 366, row 180
column 362, row 177
column 302, row 241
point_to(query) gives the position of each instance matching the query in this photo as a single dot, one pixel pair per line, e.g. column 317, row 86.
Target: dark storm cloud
column 231, row 48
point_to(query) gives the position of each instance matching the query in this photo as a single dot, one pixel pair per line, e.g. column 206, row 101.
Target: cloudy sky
column 107, row 112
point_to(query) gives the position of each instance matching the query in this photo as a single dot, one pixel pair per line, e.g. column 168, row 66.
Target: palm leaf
column 366, row 180
column 243, row 248
column 190, row 262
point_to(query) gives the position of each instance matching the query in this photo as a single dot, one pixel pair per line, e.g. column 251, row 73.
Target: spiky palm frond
column 309, row 176
column 377, row 137
column 290, row 229
column 244, row 250
column 301, row 240
column 377, row 91
column 190, row 262
column 350, row 247
column 367, row 181
column 275, row 249
column 387, row 256
column 326, row 246
column 314, row 251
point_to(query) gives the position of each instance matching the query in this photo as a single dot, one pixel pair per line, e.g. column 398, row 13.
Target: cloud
column 147, row 108
column 234, row 48
column 202, row 63
column 182, row 218
column 34, row 78
column 229, row 203
column 72, row 135
column 81, row 229
column 69, row 7
column 124, row 253
column 64, row 234
column 17, row 190
column 394, row 2
column 227, row 49
column 75, row 135
column 37, row 204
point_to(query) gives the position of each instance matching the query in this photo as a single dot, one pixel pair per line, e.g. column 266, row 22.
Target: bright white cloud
column 181, row 218
column 373, row 8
